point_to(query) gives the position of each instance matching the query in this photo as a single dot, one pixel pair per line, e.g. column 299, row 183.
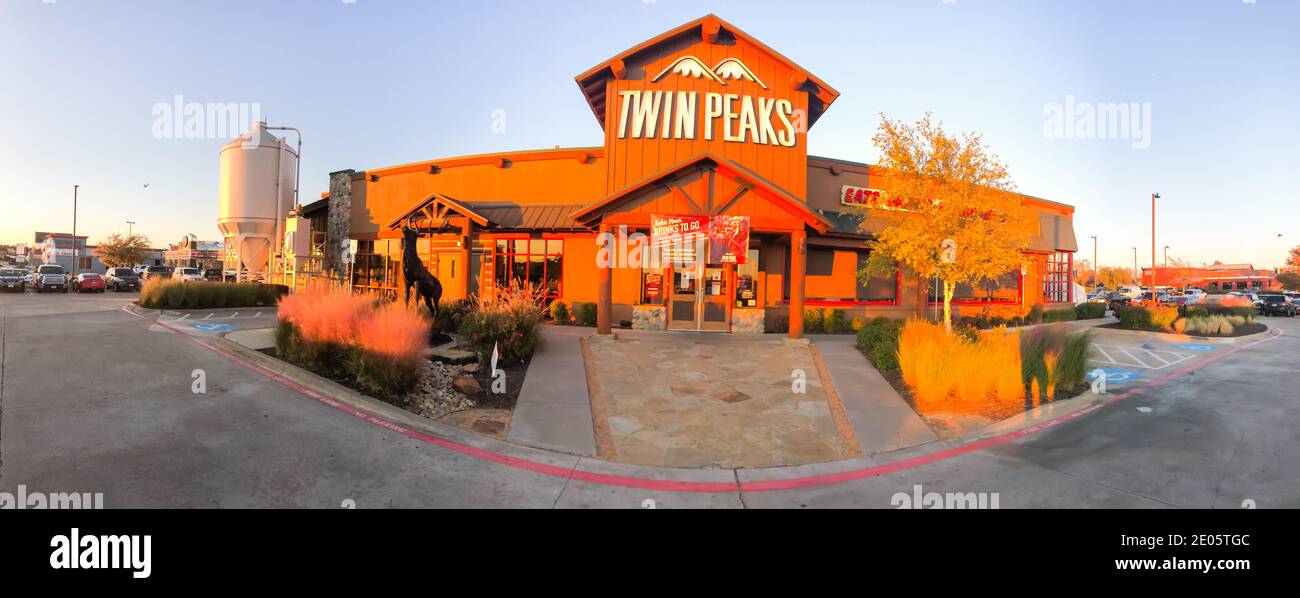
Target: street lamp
column 1096, row 269
column 1154, row 197
column 1166, row 265
column 75, row 263
column 129, row 224
column 1137, row 275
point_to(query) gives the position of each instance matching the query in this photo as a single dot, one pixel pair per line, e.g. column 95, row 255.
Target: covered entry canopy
column 706, row 184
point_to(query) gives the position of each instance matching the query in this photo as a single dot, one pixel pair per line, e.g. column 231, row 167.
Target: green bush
column 1090, row 311
column 584, row 314
column 1059, row 315
column 450, row 315
column 1069, row 353
column 559, row 312
column 330, row 360
column 878, row 340
column 1134, row 318
column 509, row 322
column 813, row 320
column 175, row 294
column 839, row 323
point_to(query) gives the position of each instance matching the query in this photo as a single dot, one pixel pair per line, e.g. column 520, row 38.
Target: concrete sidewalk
column 554, row 411
column 882, row 420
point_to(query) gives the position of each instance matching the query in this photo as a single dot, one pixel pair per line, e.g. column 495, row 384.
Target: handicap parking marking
column 1114, row 375
column 1197, row 347
column 1137, row 357
column 210, row 327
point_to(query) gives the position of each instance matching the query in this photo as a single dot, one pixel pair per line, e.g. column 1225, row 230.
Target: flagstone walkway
column 708, row 400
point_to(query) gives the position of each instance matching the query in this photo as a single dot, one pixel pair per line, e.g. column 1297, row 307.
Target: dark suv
column 156, row 272
column 1275, row 304
column 121, row 279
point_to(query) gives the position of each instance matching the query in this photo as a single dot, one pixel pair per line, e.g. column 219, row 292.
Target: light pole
column 74, row 231
column 1154, row 197
column 1096, row 269
column 1136, row 274
column 1166, row 265
column 129, row 224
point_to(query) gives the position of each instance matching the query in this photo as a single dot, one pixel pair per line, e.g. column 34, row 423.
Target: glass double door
column 700, row 299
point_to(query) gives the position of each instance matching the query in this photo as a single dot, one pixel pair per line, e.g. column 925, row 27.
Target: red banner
column 728, row 239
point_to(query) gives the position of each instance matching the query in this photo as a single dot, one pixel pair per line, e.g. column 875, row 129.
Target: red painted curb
column 701, row 487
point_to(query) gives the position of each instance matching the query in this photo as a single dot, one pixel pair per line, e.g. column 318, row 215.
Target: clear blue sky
column 381, row 82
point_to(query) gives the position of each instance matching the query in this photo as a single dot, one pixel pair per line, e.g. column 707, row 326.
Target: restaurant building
column 1212, row 278
column 705, row 136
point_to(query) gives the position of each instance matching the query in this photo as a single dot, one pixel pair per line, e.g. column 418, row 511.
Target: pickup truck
column 50, row 277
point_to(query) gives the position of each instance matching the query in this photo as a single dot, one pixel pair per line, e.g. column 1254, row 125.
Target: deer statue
column 414, row 274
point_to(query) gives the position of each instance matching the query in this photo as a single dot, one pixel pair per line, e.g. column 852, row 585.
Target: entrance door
column 700, row 299
column 715, row 300
column 683, row 299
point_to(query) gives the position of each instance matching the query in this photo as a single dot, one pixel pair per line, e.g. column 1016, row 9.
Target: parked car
column 188, row 274
column 121, row 279
column 213, row 275
column 50, row 277
column 1130, row 291
column 13, row 279
column 157, row 272
column 1275, row 304
column 1159, row 297
column 1117, row 299
column 87, row 281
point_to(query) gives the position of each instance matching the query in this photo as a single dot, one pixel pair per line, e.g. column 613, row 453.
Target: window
column 371, row 269
column 747, row 281
column 652, row 287
column 1056, row 277
column 880, row 288
column 537, row 263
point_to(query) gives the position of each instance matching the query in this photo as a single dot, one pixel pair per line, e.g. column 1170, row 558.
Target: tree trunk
column 948, row 289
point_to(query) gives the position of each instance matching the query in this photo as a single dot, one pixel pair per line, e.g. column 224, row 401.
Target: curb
column 331, row 389
column 1174, row 337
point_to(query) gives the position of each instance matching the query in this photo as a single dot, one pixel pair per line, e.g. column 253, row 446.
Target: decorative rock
column 453, row 356
column 648, row 317
column 749, row 320
column 469, row 368
column 467, row 385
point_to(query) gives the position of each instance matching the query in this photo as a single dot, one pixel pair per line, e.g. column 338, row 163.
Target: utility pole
column 1096, row 269
column 75, row 263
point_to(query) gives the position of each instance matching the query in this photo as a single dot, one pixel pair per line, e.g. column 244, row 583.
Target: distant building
column 193, row 253
column 1218, row 277
column 58, row 248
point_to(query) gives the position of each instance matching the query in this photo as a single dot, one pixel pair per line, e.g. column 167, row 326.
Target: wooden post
column 798, row 265
column 466, row 234
column 604, row 280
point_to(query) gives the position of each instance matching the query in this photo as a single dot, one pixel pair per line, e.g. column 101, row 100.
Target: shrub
column 1134, row 318
column 1163, row 316
column 341, row 335
column 857, row 324
column 838, row 323
column 1059, row 315
column 1211, row 324
column 813, row 320
column 1053, row 360
column 450, row 315
column 584, row 314
column 947, row 372
column 1090, row 311
column 879, row 341
column 163, row 293
column 559, row 312
column 509, row 322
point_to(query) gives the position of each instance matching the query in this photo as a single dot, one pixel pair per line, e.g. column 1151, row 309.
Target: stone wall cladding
column 339, row 225
column 748, row 320
column 648, row 317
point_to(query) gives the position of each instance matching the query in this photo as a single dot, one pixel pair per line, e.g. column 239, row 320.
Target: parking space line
column 1138, row 362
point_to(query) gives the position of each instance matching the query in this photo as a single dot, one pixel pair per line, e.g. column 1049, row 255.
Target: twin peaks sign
column 734, row 117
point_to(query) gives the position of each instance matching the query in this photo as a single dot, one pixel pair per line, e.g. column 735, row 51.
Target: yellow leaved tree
column 952, row 210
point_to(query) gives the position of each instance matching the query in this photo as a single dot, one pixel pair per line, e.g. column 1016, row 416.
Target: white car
column 187, row 274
